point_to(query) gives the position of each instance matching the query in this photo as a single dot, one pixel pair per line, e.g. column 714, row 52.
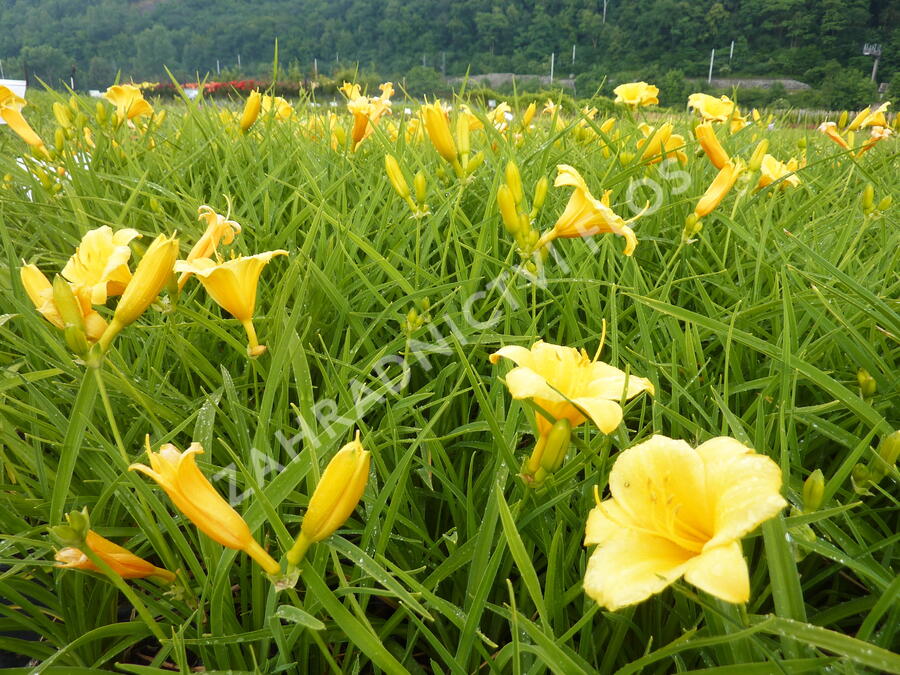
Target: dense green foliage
column 779, row 37
column 450, row 564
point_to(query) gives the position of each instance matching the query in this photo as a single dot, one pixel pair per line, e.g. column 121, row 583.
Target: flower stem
column 109, row 415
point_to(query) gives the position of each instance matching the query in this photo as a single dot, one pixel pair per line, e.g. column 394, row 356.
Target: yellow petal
column 743, row 488
column 605, row 414
column 605, row 521
column 722, row 572
column 661, row 483
column 631, row 567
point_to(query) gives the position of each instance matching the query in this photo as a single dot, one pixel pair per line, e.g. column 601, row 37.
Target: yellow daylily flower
column 129, row 102
column 11, row 112
column 585, row 215
column 150, row 276
column 276, row 105
column 122, row 561
column 528, row 115
column 712, row 109
column 772, row 170
column 661, row 144
column 100, row 263
column 218, row 228
column 637, row 94
column 335, row 497
column 679, row 511
column 497, row 116
column 721, row 186
column 706, row 135
column 40, row 292
column 551, row 108
column 870, row 118
column 830, row 130
column 179, row 476
column 366, row 111
column 232, row 284
column 567, row 384
column 251, row 110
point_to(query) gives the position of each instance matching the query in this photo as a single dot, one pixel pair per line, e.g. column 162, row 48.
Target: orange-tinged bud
column 708, row 140
column 251, row 110
column 122, row 561
column 335, row 497
column 150, row 277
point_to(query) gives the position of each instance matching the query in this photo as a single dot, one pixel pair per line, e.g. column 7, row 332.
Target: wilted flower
column 122, row 561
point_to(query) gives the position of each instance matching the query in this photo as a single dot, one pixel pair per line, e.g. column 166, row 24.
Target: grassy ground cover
column 383, row 322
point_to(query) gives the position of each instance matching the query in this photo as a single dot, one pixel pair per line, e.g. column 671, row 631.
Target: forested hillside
column 799, row 38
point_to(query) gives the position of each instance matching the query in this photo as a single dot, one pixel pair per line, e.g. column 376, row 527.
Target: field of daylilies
column 446, row 387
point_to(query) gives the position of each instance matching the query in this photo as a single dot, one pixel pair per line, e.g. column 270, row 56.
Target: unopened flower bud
column 626, row 158
column 101, row 112
column 692, row 225
column 549, row 452
column 514, row 180
column 540, row 194
column 395, row 175
column 757, row 158
column 62, row 114
column 251, row 110
column 507, row 204
column 885, row 203
column 842, row 120
column 463, row 144
column 801, row 143
column 59, row 138
column 888, row 453
column 476, row 161
column 420, row 183
column 813, row 491
column 859, row 477
column 528, row 115
column 867, row 384
column 868, row 198
column 335, row 497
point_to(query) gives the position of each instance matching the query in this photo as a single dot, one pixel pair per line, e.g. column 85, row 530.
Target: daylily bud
column 888, row 452
column 420, row 183
column 813, row 491
column 842, row 120
column 514, row 180
column 801, row 143
column 395, row 175
column 540, row 194
column 859, row 477
column 476, row 161
column 756, row 158
column 557, row 446
column 149, row 278
column 62, row 114
column 66, row 536
column 59, row 138
column 79, row 521
column 626, row 158
column 101, row 112
column 867, row 384
column 71, row 314
column 528, row 115
column 335, row 497
column 692, row 225
column 885, row 203
column 868, row 198
column 463, row 143
column 508, row 212
column 251, row 110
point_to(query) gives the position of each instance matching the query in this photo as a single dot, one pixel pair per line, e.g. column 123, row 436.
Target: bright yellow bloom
column 366, row 111
column 772, row 170
column 498, row 116
column 129, row 102
column 663, row 143
column 100, row 263
column 706, row 135
column 567, row 384
column 218, row 228
column 40, row 292
column 335, row 497
column 585, row 215
column 830, row 130
column 151, row 275
column 438, row 128
column 11, row 112
column 679, row 511
column 232, row 284
column 276, row 105
column 721, row 186
column 122, row 561
column 251, row 110
column 870, row 118
column 637, row 94
column 178, row 474
column 713, row 109
column 551, row 108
